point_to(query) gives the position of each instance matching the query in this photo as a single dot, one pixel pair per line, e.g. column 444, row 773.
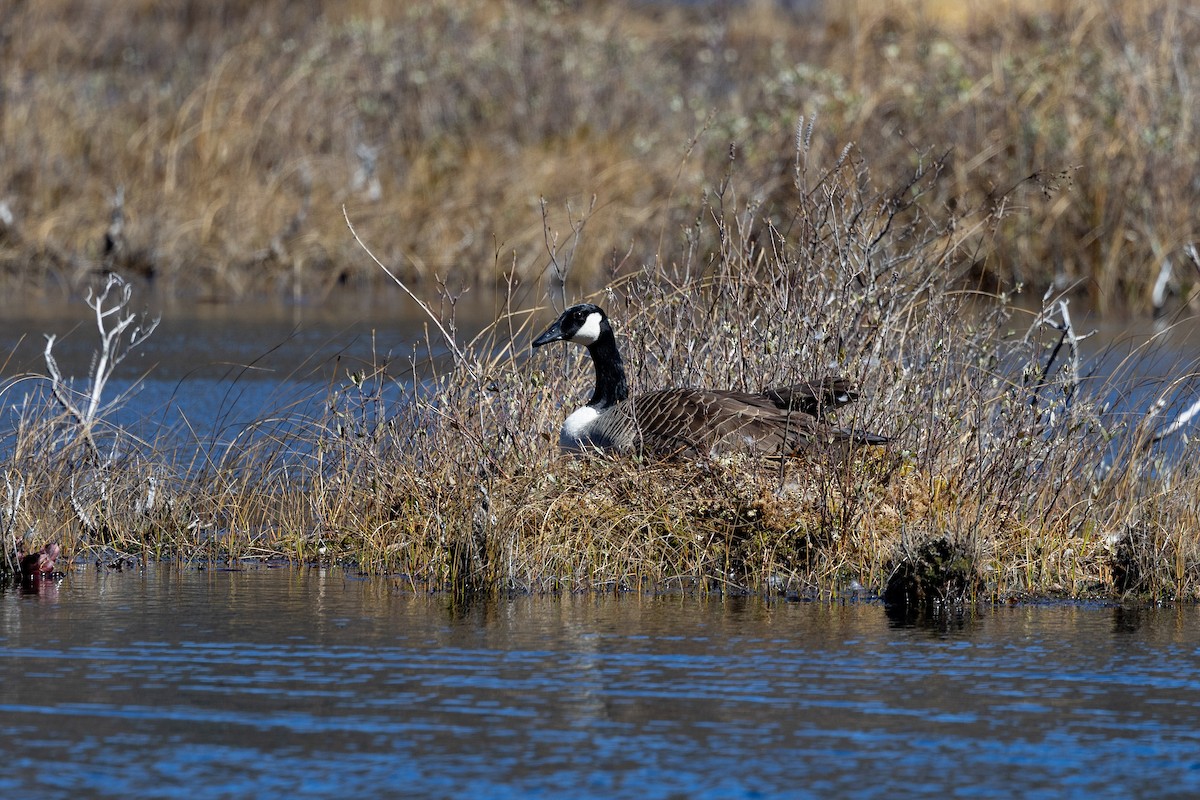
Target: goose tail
column 866, row 437
column 813, row 397
column 853, row 436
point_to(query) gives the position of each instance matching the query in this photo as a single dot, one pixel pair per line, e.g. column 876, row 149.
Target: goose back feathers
column 686, row 421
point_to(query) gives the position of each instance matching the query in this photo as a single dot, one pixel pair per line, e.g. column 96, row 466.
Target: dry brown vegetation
column 1010, row 474
column 223, row 138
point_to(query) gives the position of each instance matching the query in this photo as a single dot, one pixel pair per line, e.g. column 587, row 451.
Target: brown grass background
column 238, row 130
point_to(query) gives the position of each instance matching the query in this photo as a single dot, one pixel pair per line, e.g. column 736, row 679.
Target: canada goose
column 672, row 422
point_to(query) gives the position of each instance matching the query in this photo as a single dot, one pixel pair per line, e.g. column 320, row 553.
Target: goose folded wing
column 695, row 421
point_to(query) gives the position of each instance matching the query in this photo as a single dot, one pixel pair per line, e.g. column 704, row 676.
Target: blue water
column 272, row 682
column 207, row 376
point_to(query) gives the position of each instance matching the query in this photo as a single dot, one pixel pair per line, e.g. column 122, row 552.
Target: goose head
column 587, row 324
column 583, row 324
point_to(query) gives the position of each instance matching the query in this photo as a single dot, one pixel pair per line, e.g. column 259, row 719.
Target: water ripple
column 172, row 685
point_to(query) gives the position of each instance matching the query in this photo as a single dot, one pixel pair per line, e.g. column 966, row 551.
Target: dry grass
column 235, row 131
column 1010, row 474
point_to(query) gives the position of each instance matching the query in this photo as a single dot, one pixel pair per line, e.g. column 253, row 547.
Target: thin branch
column 450, row 342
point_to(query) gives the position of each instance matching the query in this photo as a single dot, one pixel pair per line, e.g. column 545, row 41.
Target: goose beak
column 552, row 334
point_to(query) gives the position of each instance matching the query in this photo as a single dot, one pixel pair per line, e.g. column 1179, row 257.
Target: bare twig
column 459, row 357
column 112, row 322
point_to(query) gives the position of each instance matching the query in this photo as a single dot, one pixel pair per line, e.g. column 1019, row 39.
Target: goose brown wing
column 697, row 421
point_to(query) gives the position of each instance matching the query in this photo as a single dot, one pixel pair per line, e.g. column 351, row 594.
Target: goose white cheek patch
column 589, row 332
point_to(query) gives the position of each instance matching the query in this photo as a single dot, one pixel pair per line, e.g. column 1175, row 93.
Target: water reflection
column 312, row 683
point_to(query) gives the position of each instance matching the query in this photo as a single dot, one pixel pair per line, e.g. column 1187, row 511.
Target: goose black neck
column 611, row 387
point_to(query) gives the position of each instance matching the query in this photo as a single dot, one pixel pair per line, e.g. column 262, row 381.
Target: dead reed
column 1010, row 474
column 207, row 147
